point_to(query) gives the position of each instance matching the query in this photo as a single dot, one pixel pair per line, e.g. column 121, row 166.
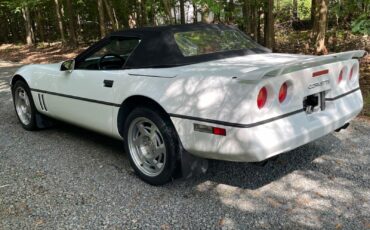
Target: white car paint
column 222, row 90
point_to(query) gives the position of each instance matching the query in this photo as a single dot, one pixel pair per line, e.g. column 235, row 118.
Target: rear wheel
column 24, row 105
column 151, row 144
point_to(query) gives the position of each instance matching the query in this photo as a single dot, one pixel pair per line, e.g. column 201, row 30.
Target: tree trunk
column 15, row 27
column 59, row 21
column 151, row 16
column 116, row 19
column 144, row 16
column 9, row 36
column 28, row 25
column 103, row 33
column 79, row 24
column 247, row 16
column 254, row 20
column 126, row 13
column 108, row 7
column 39, row 26
column 71, row 24
column 295, row 10
column 205, row 13
column 313, row 8
column 269, row 24
column 195, row 13
column 167, row 10
column 230, row 13
column 173, row 7
column 258, row 31
column 182, row 11
column 4, row 27
column 320, row 25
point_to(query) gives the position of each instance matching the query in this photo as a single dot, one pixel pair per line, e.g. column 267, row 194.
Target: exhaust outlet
column 345, row 126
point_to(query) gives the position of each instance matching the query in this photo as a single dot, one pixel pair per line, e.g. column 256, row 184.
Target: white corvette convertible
column 207, row 90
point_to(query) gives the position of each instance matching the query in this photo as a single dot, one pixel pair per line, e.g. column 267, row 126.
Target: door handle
column 108, row 83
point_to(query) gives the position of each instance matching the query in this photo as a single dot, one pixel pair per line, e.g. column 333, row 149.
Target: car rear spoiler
column 293, row 66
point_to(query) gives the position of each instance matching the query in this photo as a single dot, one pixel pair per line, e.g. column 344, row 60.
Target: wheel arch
column 135, row 101
column 16, row 78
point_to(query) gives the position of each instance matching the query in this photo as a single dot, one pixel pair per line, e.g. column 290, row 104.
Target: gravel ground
column 69, row 178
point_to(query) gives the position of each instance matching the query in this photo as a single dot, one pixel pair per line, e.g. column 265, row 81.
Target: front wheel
column 151, row 144
column 24, row 105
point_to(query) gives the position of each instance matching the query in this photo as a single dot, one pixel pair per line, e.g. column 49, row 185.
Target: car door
column 84, row 95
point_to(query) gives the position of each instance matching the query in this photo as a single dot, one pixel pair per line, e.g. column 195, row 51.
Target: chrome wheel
column 23, row 105
column 146, row 146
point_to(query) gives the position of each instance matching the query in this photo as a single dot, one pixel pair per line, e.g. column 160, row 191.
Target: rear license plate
column 314, row 103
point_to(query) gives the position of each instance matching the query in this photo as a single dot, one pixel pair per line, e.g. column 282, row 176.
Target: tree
column 103, row 32
column 110, row 13
column 167, row 10
column 59, row 20
column 269, row 24
column 71, row 24
column 252, row 18
column 205, row 13
column 313, row 9
column 28, row 25
column 320, row 25
column 246, row 16
column 295, row 10
column 195, row 13
column 182, row 12
column 143, row 13
column 125, row 14
column 229, row 11
column 40, row 25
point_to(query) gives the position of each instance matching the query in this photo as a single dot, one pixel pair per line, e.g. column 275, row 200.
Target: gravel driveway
column 70, row 178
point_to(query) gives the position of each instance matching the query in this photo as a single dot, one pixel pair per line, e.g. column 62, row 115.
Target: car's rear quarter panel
column 227, row 99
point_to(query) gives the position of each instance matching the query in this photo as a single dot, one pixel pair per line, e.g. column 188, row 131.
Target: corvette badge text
column 318, row 84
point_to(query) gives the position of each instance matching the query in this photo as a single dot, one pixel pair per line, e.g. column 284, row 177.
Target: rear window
column 193, row 43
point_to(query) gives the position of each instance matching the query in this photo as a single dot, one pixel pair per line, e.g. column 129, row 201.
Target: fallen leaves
column 338, row 226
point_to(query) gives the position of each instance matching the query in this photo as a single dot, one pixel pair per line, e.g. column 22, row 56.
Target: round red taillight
column 351, row 73
column 340, row 78
column 262, row 98
column 283, row 92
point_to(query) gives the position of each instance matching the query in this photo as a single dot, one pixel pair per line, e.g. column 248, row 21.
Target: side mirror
column 67, row 65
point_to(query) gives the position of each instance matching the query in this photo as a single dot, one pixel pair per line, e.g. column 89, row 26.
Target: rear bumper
column 257, row 143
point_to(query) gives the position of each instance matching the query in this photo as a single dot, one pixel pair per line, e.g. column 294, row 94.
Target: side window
column 112, row 56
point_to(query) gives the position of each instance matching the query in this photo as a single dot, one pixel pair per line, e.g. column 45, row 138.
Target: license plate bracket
column 314, row 103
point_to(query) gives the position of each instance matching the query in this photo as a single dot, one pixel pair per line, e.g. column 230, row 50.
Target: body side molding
column 218, row 122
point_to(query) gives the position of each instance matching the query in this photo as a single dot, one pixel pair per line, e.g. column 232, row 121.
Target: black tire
column 170, row 139
column 32, row 124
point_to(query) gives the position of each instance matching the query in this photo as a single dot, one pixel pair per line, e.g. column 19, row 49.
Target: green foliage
column 284, row 9
column 213, row 5
column 304, row 9
column 343, row 14
column 362, row 24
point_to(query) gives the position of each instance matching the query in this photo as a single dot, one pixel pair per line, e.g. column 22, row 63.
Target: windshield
column 193, row 43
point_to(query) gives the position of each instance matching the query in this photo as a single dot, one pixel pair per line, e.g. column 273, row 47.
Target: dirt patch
column 49, row 53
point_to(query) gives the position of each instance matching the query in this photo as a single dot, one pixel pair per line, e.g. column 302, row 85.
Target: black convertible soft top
column 158, row 47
